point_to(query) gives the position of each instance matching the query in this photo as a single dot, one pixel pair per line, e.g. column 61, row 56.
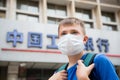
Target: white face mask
column 71, row 44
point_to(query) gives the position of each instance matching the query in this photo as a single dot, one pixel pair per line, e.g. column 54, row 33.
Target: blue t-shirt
column 103, row 69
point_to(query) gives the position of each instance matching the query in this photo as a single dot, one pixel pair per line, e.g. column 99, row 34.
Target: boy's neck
column 73, row 59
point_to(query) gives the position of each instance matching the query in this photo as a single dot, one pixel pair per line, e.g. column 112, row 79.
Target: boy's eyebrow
column 63, row 31
column 74, row 30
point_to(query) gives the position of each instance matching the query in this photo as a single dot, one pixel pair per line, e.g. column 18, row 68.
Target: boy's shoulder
column 100, row 57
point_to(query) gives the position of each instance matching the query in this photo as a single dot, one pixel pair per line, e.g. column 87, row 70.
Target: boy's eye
column 74, row 32
column 63, row 34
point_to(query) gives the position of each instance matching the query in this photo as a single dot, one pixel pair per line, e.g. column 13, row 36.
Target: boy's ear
column 85, row 39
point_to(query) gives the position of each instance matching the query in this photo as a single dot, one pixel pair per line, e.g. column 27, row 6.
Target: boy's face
column 72, row 29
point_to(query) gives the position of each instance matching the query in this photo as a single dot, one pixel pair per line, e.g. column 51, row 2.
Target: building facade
column 28, row 38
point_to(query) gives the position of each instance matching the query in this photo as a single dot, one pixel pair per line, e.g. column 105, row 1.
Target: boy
column 72, row 38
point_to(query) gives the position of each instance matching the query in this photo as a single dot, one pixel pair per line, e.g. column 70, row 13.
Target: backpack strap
column 63, row 67
column 87, row 61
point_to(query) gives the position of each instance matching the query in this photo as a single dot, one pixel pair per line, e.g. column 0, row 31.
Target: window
column 27, row 5
column 109, row 21
column 86, row 16
column 83, row 13
column 56, row 13
column 2, row 3
column 2, row 14
column 57, row 10
column 23, row 17
column 54, row 20
column 108, row 17
column 113, row 2
column 109, row 27
column 88, row 25
column 31, row 8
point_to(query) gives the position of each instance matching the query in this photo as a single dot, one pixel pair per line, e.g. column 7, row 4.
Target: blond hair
column 72, row 21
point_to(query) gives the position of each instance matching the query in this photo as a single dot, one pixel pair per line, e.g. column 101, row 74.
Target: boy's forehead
column 62, row 27
column 66, row 28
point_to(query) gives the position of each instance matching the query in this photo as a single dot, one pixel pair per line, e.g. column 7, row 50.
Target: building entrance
column 3, row 73
column 39, row 74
